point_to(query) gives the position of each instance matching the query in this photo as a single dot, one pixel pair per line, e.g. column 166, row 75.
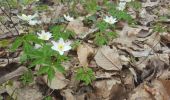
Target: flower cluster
column 59, row 46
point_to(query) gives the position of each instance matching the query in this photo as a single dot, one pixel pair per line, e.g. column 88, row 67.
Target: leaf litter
column 133, row 66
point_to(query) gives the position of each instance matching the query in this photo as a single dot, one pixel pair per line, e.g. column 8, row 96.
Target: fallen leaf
column 77, row 27
column 108, row 58
column 23, row 93
column 149, row 3
column 58, row 82
column 68, row 94
column 83, row 52
column 103, row 88
column 19, row 71
column 118, row 92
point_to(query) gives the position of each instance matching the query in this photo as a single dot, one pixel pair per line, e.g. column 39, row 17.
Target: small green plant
column 85, row 74
column 135, row 5
column 27, row 77
column 159, row 28
column 47, row 58
column 120, row 15
column 48, row 98
column 61, row 32
column 103, row 37
column 90, row 5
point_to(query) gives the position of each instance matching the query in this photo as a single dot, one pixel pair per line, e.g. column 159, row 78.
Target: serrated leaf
column 60, row 68
column 16, row 44
column 50, row 73
column 43, row 69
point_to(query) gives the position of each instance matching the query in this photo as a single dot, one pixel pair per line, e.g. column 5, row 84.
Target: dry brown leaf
column 19, row 71
column 102, row 75
column 166, row 84
column 58, row 82
column 83, row 52
column 108, row 58
column 145, row 17
column 103, row 88
column 118, row 92
column 154, row 91
column 159, row 92
column 23, row 93
column 68, row 94
column 140, row 93
column 77, row 27
column 150, row 3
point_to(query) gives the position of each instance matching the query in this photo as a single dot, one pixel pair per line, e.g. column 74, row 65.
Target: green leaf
column 48, row 98
column 85, row 74
column 59, row 67
column 100, row 39
column 41, row 7
column 135, row 4
column 32, row 38
column 51, row 74
column 61, row 32
column 23, row 58
column 27, row 77
column 16, row 44
column 102, row 26
column 43, row 69
column 27, row 47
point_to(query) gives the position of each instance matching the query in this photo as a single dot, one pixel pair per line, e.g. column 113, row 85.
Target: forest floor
column 84, row 50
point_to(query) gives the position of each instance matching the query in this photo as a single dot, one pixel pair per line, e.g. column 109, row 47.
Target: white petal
column 54, row 48
column 32, row 22
column 19, row 16
column 66, row 48
column 61, row 41
column 61, row 52
column 38, row 34
column 54, row 43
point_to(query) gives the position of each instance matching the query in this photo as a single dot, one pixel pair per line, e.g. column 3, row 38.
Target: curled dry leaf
column 83, row 52
column 108, row 58
column 58, row 82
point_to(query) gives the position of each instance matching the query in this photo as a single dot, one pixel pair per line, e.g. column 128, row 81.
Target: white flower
column 44, row 35
column 30, row 19
column 27, row 17
column 121, row 6
column 110, row 20
column 61, row 46
column 68, row 18
column 34, row 22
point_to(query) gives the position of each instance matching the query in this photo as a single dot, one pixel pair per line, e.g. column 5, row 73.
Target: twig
column 9, row 19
